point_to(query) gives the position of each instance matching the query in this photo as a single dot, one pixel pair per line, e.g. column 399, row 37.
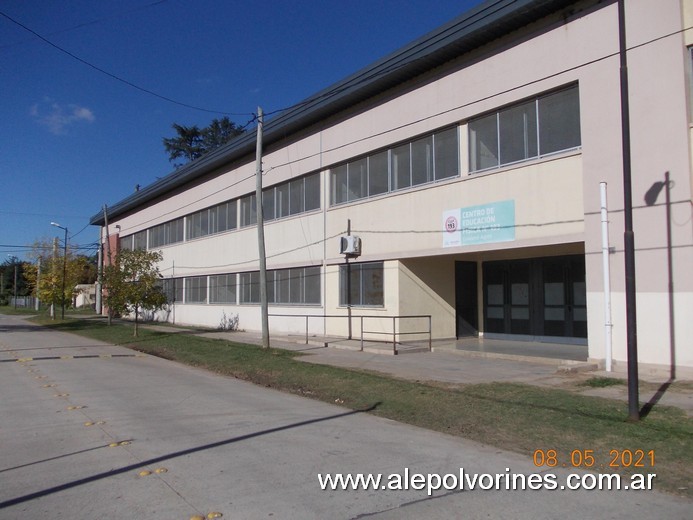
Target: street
column 90, row 430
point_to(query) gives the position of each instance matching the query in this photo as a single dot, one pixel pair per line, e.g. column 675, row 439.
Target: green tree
column 192, row 142
column 48, row 285
column 8, row 269
column 133, row 283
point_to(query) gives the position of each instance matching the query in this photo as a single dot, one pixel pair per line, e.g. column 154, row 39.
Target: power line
column 118, row 78
column 96, row 21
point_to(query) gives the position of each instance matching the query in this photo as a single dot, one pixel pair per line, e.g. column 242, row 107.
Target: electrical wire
column 118, row 78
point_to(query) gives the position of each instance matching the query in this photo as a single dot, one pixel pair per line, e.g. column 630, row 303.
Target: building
column 469, row 163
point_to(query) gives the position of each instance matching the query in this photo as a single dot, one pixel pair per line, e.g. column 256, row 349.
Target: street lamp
column 62, row 299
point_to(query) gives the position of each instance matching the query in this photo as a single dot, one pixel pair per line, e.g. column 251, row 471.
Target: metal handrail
column 361, row 318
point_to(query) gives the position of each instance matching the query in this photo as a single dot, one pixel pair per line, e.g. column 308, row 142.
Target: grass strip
column 517, row 417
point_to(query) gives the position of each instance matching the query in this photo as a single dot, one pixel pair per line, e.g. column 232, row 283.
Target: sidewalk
column 453, row 366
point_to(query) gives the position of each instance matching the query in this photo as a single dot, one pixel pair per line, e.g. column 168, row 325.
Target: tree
column 193, row 142
column 48, row 287
column 8, row 269
column 133, row 283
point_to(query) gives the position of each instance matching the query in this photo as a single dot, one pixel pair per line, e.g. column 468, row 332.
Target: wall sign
column 483, row 224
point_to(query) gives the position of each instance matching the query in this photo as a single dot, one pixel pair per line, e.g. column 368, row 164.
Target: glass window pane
column 218, row 218
column 401, row 167
column 422, row 161
column 140, row 240
column 338, row 184
column 232, row 215
column 518, row 133
column 196, row 289
column 295, row 285
column 553, row 294
column 282, row 284
column 282, row 200
column 495, row 313
column 357, row 179
column 296, row 197
column 249, row 286
column 519, row 313
column 248, row 211
column 495, row 294
column 519, row 294
column 271, row 287
column 554, row 313
column 268, row 204
column 483, row 143
column 312, row 192
column 222, row 288
column 559, row 121
column 126, row 242
column 372, row 276
column 177, row 229
column 312, row 285
column 377, row 174
column 447, row 154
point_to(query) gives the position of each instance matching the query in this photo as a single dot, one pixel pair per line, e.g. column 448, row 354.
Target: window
column 222, row 288
column 366, row 284
column 542, row 126
column 165, row 234
column 292, row 198
column 378, row 174
column 139, row 240
column 297, row 286
column 249, row 287
column 196, row 289
column 125, row 243
column 216, row 219
column 428, row 159
column 294, row 286
column 248, row 210
column 173, row 289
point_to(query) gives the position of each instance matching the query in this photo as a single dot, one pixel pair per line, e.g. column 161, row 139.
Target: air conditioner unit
column 350, row 245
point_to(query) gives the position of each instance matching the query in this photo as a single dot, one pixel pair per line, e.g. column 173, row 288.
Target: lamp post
column 62, row 299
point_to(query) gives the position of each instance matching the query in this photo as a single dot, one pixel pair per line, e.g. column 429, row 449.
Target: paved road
column 222, row 445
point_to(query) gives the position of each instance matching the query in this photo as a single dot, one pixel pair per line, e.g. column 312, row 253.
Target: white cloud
column 58, row 118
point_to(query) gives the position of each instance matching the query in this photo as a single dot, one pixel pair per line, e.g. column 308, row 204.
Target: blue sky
column 73, row 138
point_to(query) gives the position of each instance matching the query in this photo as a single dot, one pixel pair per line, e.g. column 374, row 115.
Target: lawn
column 517, row 417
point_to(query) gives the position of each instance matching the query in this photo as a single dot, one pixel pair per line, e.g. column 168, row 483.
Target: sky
column 83, row 86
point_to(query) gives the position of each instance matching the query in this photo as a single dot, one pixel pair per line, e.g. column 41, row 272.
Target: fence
column 393, row 332
column 23, row 302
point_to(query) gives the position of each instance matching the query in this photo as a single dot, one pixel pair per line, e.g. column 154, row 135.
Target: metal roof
column 479, row 26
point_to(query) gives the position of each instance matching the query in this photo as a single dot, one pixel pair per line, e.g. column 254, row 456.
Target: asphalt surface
column 81, row 420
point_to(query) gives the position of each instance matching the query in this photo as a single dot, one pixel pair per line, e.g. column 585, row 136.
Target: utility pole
column 348, row 283
column 15, row 284
column 108, row 250
column 261, row 233
column 37, row 305
column 62, row 296
column 99, row 278
column 628, row 235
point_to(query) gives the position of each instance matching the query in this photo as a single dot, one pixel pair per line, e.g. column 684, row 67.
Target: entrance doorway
column 466, row 300
column 535, row 298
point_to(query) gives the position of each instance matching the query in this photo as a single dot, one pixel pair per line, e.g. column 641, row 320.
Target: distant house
column 85, row 295
column 469, row 164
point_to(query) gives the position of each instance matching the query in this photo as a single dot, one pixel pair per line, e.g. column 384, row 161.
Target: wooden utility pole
column 108, row 251
column 261, row 234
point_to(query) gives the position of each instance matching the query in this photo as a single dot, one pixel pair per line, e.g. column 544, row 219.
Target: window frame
column 474, row 141
column 349, row 182
column 359, row 294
